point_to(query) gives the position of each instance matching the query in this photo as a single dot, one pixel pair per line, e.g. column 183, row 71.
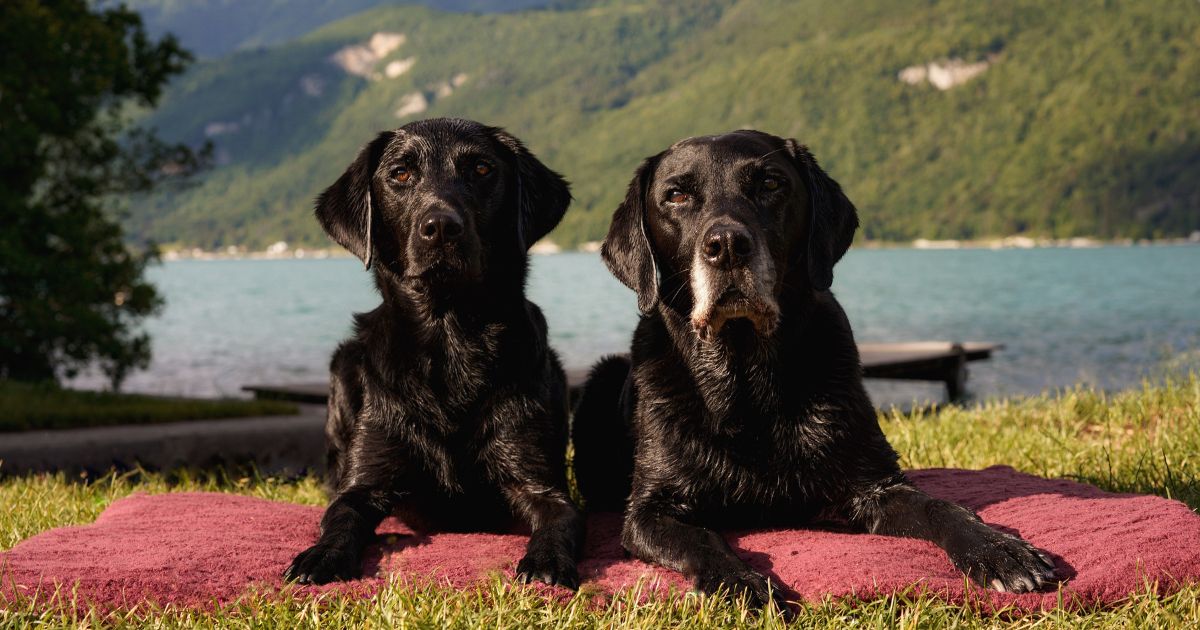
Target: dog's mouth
column 446, row 268
column 733, row 299
column 734, row 303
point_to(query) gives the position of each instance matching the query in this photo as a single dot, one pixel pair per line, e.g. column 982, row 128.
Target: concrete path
column 274, row 444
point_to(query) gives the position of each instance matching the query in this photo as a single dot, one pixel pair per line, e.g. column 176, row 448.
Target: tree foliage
column 71, row 292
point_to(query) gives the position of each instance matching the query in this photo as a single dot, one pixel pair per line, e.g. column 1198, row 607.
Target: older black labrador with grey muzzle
column 743, row 403
column 447, row 407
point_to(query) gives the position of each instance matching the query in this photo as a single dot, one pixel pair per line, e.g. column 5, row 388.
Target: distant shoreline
column 281, row 250
column 1025, row 242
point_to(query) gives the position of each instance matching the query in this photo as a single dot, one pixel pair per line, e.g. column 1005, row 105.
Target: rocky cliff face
column 944, row 74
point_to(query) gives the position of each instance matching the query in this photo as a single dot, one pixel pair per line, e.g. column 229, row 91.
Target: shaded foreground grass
column 1138, row 441
column 29, row 407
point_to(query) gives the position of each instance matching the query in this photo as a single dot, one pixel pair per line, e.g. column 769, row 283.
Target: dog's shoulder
column 346, row 367
column 821, row 346
column 652, row 339
column 526, row 363
column 537, row 322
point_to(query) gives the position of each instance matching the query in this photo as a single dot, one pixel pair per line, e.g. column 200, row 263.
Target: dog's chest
column 459, row 369
column 731, row 388
column 444, row 449
column 451, row 401
column 753, row 444
column 769, row 463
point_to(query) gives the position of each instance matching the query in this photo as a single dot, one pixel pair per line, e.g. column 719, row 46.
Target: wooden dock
column 942, row 361
column 925, row 361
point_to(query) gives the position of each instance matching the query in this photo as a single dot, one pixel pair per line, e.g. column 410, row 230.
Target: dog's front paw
column 1001, row 562
column 323, row 563
column 555, row 567
column 757, row 588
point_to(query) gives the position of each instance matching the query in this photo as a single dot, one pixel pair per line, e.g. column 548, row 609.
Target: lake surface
column 1107, row 316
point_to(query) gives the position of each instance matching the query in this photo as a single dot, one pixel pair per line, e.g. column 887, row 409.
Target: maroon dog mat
column 197, row 549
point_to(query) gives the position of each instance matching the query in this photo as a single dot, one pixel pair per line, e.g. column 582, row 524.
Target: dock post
column 956, row 373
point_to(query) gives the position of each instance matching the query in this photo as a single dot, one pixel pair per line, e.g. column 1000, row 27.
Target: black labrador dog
column 743, row 403
column 447, row 407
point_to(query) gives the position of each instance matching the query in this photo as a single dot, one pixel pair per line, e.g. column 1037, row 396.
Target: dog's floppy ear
column 345, row 209
column 626, row 250
column 832, row 218
column 542, row 194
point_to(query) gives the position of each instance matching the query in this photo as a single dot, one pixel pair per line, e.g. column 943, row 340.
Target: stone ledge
column 273, row 444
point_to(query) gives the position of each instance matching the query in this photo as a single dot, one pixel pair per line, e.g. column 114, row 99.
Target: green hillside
column 211, row 28
column 1086, row 120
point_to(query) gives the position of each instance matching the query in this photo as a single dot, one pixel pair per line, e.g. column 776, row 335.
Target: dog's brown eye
column 400, row 173
column 482, row 168
column 678, row 196
column 771, row 183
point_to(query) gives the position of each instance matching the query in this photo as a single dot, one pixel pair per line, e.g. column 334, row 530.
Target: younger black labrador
column 743, row 404
column 447, row 407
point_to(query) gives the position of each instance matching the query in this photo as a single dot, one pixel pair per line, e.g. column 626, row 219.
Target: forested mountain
column 942, row 119
column 210, row 28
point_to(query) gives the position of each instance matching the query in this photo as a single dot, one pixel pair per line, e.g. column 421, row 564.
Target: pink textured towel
column 194, row 549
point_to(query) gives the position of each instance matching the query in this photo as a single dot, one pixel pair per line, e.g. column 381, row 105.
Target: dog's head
column 437, row 202
column 721, row 226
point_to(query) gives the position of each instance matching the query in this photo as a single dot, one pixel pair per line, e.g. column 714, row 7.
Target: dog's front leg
column 526, row 459
column 655, row 533
column 989, row 557
column 370, row 470
column 556, row 534
column 346, row 529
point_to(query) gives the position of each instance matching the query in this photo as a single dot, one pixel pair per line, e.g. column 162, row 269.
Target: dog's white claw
column 997, row 585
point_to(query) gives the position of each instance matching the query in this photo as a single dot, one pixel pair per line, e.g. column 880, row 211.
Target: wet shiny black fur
column 742, row 404
column 447, row 406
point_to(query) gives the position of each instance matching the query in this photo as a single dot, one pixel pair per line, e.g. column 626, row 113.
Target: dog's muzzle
column 440, row 228
column 443, row 248
column 731, row 278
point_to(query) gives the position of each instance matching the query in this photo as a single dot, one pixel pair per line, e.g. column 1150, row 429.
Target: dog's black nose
column 441, row 227
column 727, row 246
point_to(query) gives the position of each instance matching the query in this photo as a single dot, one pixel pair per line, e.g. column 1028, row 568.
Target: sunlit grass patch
column 501, row 604
column 1145, row 440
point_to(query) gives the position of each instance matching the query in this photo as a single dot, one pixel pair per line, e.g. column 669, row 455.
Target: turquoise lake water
column 1107, row 316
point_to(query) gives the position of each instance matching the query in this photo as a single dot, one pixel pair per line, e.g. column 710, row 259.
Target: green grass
column 1146, row 440
column 30, row 407
column 498, row 604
